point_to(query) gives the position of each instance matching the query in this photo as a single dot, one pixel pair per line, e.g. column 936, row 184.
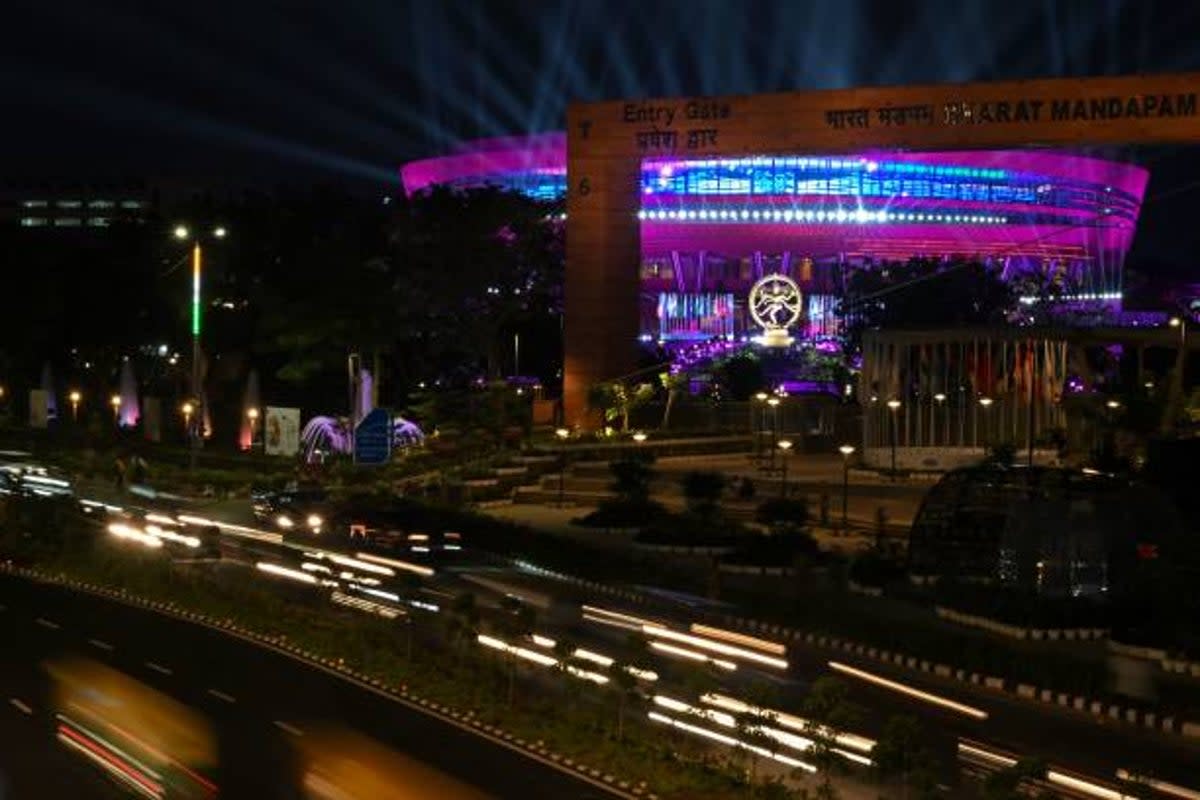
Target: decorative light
column 181, row 232
column 985, row 401
column 846, row 450
column 893, row 404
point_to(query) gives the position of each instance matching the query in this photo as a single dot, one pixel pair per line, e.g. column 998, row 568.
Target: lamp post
column 1175, row 393
column 785, row 448
column 182, row 233
column 940, row 400
column 252, row 415
column 773, row 402
column 985, row 403
column 115, row 402
column 75, row 397
column 761, row 412
column 563, row 434
column 188, row 409
column 846, row 450
column 894, row 406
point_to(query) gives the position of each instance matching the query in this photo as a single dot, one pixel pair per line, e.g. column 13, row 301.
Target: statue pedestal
column 774, row 337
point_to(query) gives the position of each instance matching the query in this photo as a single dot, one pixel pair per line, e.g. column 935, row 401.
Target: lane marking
column 896, row 686
column 101, row 644
column 292, row 729
column 45, row 623
column 217, row 693
column 21, row 706
column 158, row 668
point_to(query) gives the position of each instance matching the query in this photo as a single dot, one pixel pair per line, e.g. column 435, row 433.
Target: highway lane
column 1064, row 736
column 257, row 698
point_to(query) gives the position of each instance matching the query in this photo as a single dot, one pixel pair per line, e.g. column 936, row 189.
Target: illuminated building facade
column 711, row 227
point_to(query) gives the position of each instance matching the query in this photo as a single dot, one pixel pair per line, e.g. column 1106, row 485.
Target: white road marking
column 45, row 623
column 21, row 706
column 101, row 644
column 158, row 668
column 292, row 729
column 217, row 693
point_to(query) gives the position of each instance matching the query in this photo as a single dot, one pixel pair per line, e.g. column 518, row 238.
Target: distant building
column 46, row 205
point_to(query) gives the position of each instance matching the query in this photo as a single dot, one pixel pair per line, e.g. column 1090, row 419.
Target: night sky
column 347, row 90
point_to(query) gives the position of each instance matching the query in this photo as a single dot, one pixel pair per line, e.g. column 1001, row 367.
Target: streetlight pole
column 894, row 405
column 785, row 448
column 757, row 424
column 773, row 402
column 562, row 434
column 940, row 398
column 986, row 403
column 196, row 433
column 846, row 450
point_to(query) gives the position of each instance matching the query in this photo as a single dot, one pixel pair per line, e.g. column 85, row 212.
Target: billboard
column 281, row 431
column 39, row 408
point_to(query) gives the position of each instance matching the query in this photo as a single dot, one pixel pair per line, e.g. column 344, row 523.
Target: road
column 255, row 699
column 1065, row 737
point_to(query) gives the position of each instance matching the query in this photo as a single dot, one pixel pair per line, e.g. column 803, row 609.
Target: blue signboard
column 373, row 438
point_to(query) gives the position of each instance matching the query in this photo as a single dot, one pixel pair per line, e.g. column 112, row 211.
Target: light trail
column 128, row 532
column 284, row 572
column 397, row 563
column 915, row 693
column 1085, row 786
column 731, row 741
column 1159, row 786
column 228, row 527
column 853, row 741
column 671, row 649
column 774, row 648
column 716, row 647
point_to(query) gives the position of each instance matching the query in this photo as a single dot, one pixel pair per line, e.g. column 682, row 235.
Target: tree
column 631, row 480
column 702, row 492
column 673, row 383
column 624, row 685
column 618, row 400
column 517, row 621
column 828, row 711
column 784, row 517
column 463, row 619
column 1007, row 783
column 900, row 753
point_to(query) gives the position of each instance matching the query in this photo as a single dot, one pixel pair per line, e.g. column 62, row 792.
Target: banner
column 281, row 434
column 39, row 408
column 152, row 419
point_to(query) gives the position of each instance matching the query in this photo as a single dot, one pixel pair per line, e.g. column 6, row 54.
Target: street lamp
column 846, row 450
column 182, row 233
column 252, row 415
column 188, row 409
column 785, row 447
column 563, row 434
column 940, row 399
column 773, row 402
column 639, row 437
column 986, row 403
column 74, row 397
column 761, row 397
column 115, row 402
column 894, row 405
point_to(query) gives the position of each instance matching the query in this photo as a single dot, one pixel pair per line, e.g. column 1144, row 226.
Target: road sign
column 373, row 438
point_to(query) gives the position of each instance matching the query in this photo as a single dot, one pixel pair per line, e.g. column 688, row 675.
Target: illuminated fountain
column 323, row 436
column 129, row 411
